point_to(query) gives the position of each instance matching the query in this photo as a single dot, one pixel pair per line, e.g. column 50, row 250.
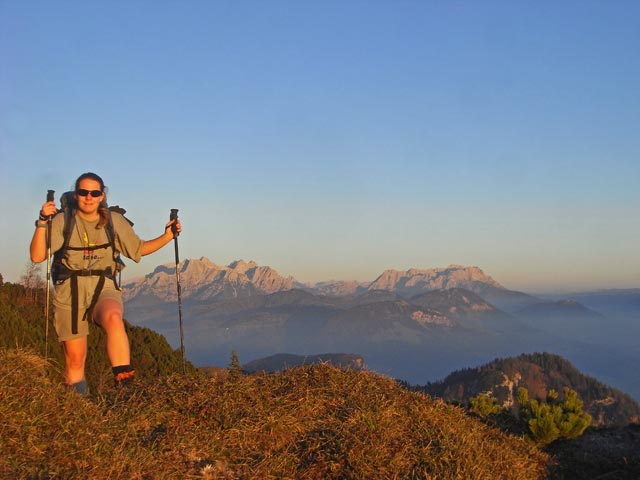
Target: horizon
column 337, row 139
column 313, row 283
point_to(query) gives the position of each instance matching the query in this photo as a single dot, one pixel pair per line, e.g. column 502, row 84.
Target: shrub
column 552, row 419
column 484, row 405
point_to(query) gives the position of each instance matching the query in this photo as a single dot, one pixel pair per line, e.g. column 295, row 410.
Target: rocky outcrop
column 202, row 279
column 455, row 301
column 415, row 281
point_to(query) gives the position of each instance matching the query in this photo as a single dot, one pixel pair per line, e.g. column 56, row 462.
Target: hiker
column 84, row 273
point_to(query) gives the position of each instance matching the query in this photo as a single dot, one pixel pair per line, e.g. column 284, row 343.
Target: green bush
column 552, row 419
column 484, row 405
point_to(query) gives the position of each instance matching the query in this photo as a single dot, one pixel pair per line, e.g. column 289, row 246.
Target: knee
column 111, row 320
column 75, row 360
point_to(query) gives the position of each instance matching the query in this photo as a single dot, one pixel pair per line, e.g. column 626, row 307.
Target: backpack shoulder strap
column 69, row 219
column 69, row 222
column 69, row 225
column 111, row 233
column 67, row 205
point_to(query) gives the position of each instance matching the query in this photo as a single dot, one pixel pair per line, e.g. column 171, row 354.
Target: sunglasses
column 83, row 193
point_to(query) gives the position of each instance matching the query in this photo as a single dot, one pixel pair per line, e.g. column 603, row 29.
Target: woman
column 87, row 290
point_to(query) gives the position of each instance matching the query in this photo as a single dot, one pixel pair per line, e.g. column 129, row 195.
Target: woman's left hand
column 174, row 227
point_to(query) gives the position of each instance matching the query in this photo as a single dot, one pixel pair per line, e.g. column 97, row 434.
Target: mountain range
column 203, row 280
column 417, row 325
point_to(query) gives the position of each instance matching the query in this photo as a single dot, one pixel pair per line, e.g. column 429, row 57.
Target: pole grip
column 174, row 216
column 50, row 195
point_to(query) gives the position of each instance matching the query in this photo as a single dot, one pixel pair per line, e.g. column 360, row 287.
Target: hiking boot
column 80, row 387
column 123, row 379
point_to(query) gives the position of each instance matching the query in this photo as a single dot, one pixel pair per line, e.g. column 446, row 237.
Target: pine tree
column 484, row 405
column 574, row 421
column 552, row 419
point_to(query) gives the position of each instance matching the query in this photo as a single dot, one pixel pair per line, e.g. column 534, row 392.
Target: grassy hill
column 311, row 422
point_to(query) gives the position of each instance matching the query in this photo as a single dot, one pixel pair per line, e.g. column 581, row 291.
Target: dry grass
column 313, row 422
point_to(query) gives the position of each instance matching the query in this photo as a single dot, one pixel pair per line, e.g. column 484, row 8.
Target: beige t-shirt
column 86, row 234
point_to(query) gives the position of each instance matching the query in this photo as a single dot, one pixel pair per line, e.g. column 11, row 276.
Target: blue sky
column 337, row 139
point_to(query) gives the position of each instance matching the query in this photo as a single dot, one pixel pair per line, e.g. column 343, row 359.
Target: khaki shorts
column 62, row 312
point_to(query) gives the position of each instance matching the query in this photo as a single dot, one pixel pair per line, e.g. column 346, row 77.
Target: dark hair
column 90, row 176
column 103, row 211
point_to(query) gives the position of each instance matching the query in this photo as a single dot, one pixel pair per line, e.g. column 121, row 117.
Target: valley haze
column 418, row 325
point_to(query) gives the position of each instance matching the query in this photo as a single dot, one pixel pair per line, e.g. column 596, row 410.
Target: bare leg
column 108, row 314
column 75, row 354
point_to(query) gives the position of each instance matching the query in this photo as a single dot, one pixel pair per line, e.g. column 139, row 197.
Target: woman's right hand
column 38, row 247
column 48, row 209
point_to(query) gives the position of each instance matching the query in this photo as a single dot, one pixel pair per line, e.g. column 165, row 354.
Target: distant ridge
column 564, row 317
column 415, row 281
column 468, row 308
column 282, row 361
column 457, row 302
column 538, row 373
column 561, row 308
column 339, row 287
column 201, row 279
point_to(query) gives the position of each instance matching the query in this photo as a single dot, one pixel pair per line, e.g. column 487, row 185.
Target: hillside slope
column 308, row 423
column 22, row 324
column 538, row 373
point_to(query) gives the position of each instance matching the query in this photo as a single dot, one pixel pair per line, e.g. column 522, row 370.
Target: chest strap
column 88, row 247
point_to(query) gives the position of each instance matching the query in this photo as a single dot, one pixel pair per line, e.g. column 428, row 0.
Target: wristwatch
column 40, row 225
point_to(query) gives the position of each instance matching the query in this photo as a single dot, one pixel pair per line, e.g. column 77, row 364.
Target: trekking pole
column 46, row 307
column 174, row 229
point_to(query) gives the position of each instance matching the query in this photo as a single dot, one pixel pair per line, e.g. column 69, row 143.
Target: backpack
column 60, row 273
